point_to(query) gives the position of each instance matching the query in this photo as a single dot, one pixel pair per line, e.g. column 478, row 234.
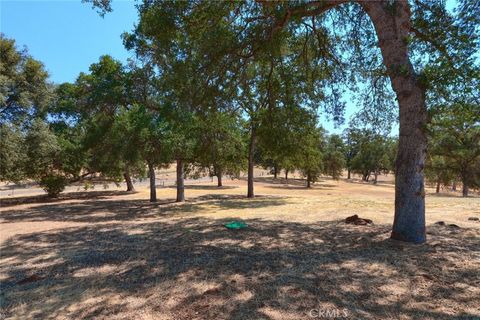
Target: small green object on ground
column 235, row 225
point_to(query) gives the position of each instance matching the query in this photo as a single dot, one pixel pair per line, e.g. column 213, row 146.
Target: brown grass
column 117, row 256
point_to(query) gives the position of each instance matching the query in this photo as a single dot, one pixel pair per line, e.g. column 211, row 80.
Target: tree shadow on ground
column 117, row 209
column 370, row 182
column 205, row 187
column 14, row 186
column 44, row 198
column 194, row 268
column 447, row 194
column 281, row 183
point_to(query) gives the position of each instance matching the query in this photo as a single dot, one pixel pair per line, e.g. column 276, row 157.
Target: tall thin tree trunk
column 180, row 181
column 153, row 187
column 286, row 175
column 465, row 188
column 218, row 172
column 275, row 171
column 128, row 179
column 454, row 185
column 251, row 151
column 348, row 173
column 308, row 181
column 437, row 189
column 392, row 27
column 375, row 177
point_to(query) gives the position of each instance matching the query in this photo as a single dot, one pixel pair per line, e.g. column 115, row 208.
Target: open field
column 111, row 254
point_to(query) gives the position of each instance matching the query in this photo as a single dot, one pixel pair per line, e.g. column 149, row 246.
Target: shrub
column 53, row 184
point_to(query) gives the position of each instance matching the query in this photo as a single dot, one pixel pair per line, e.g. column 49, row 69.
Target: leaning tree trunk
column 251, row 151
column 153, row 188
column 128, row 179
column 180, row 181
column 392, row 26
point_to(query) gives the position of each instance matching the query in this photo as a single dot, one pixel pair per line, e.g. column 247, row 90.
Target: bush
column 53, row 185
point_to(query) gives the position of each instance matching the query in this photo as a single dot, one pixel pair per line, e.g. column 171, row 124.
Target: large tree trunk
column 153, row 187
column 180, row 182
column 251, row 151
column 128, row 179
column 392, row 25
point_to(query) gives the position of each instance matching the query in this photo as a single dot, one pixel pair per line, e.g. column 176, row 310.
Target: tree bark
column 153, row 187
column 308, row 181
column 465, row 188
column 454, row 185
column 437, row 190
column 348, row 174
column 218, row 172
column 128, row 179
column 180, row 182
column 251, row 151
column 286, row 175
column 375, row 178
column 275, row 172
column 392, row 27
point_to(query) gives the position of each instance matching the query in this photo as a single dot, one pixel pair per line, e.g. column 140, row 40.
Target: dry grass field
column 114, row 255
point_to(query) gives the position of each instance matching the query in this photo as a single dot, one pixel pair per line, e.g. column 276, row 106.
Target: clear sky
column 68, row 36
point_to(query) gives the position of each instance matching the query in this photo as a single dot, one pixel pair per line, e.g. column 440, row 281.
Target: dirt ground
column 111, row 254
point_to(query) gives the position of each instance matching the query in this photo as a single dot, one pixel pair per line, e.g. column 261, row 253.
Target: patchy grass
column 117, row 256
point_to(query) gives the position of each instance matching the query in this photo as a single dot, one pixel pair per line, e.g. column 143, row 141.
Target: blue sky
column 68, row 36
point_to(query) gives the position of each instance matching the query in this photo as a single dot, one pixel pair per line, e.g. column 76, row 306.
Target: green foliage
column 35, row 154
column 111, row 139
column 352, row 138
column 454, row 147
column 437, row 170
column 373, row 156
column 24, row 89
column 53, row 184
column 334, row 157
column 42, row 150
column 280, row 136
column 310, row 155
column 12, row 153
column 220, row 146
